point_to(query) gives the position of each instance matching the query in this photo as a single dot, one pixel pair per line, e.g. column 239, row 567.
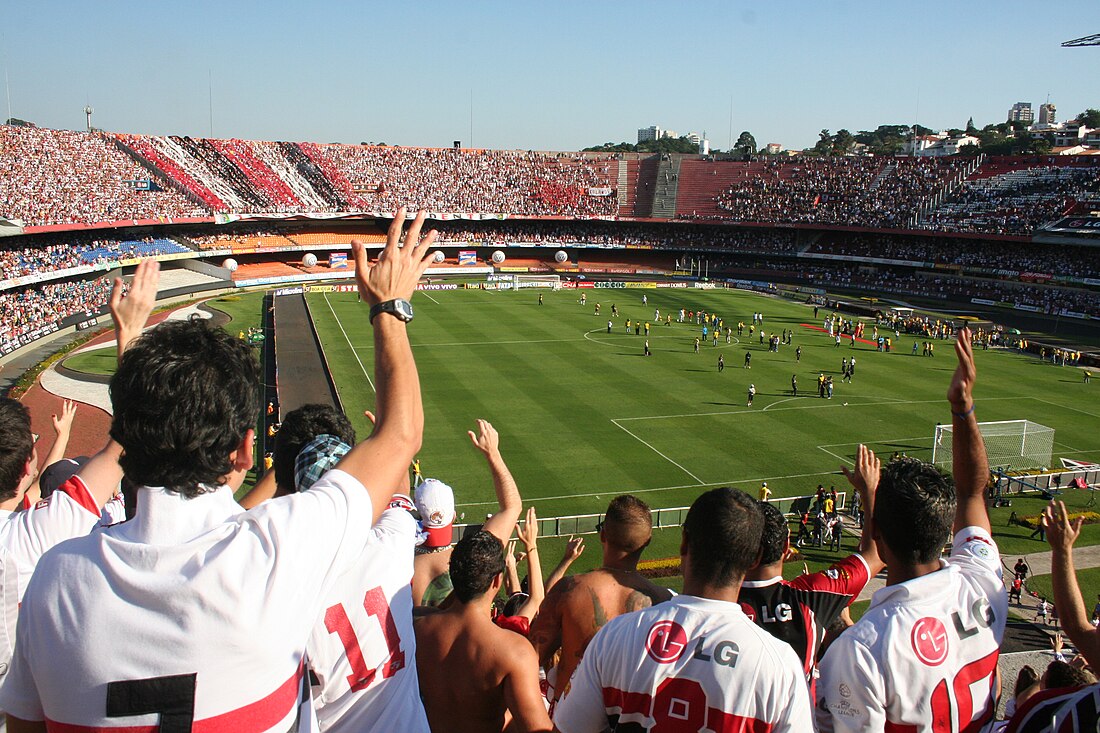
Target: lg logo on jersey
column 781, row 613
column 667, row 641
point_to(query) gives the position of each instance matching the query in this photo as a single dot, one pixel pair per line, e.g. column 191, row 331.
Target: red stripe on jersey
column 723, row 722
column 259, row 715
column 627, row 702
column 79, row 493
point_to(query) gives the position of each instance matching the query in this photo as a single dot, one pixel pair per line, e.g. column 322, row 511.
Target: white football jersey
column 194, row 615
column 687, row 664
column 924, row 656
column 363, row 651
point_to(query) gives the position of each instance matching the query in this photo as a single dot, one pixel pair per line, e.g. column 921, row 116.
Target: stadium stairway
column 666, row 187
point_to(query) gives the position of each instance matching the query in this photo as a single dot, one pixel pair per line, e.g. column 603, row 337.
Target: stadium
column 647, row 323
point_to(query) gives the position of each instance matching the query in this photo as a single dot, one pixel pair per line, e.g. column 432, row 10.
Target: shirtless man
column 436, row 506
column 577, row 606
column 473, row 674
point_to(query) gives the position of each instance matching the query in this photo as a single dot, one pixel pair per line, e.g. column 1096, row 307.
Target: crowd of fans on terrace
column 848, row 191
column 74, row 250
column 1013, row 203
column 62, row 177
column 1006, row 257
column 26, row 310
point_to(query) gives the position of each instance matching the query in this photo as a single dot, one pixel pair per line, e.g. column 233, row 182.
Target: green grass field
column 583, row 415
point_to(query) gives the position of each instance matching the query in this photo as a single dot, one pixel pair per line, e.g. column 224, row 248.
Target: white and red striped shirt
column 924, row 656
column 687, row 664
column 194, row 615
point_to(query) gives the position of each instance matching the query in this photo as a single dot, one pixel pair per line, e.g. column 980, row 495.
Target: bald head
column 627, row 525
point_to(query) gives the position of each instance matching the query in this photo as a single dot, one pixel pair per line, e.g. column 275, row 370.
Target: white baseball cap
column 435, row 502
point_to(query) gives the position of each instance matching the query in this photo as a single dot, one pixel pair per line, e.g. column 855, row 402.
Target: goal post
column 1009, row 444
column 536, row 281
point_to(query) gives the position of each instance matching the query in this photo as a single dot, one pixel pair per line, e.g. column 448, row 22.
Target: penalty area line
column 662, row 455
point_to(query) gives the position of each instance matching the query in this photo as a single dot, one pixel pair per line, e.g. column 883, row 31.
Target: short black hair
column 914, row 509
column 184, row 396
column 299, row 427
column 475, row 561
column 773, row 541
column 722, row 532
column 628, row 525
column 16, row 445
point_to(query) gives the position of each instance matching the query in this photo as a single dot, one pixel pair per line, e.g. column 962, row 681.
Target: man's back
column 200, row 610
column 690, row 664
column 925, row 651
column 578, row 606
column 464, row 662
column 431, row 582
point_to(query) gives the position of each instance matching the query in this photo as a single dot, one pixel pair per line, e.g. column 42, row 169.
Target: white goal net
column 1009, row 444
column 537, row 281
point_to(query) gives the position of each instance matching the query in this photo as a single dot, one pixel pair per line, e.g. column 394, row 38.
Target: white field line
column 890, row 401
column 834, row 455
column 350, row 344
column 880, row 441
column 425, row 294
column 1064, row 407
column 1067, row 447
column 662, row 455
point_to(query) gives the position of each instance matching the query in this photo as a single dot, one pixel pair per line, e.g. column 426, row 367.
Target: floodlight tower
column 1093, row 40
column 88, row 112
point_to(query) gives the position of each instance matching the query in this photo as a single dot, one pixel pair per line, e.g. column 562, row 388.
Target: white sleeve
column 19, row 693
column 796, row 714
column 582, row 710
column 850, row 695
column 974, row 546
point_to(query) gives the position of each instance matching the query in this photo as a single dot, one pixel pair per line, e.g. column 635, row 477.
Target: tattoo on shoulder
column 637, row 601
column 599, row 613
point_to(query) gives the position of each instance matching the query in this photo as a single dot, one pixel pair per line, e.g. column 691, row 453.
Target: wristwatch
column 398, row 307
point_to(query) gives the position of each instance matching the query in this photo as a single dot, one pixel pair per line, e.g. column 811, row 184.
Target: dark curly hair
column 16, row 445
column 776, row 532
column 475, row 561
column 914, row 509
column 184, row 396
column 298, row 428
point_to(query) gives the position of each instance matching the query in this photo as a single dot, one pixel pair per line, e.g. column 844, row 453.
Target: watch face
column 403, row 309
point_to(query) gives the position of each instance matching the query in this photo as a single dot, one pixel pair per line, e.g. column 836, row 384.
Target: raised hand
column 400, row 265
column 529, row 533
column 864, row 478
column 132, row 311
column 487, row 440
column 64, row 424
column 1061, row 532
column 574, row 548
column 960, row 393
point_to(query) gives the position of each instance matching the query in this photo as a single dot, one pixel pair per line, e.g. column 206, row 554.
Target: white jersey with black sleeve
column 363, row 651
column 924, row 656
column 194, row 615
column 687, row 664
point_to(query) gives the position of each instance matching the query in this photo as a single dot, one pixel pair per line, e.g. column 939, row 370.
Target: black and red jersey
column 798, row 611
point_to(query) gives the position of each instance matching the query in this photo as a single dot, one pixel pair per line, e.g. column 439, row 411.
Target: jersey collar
column 167, row 518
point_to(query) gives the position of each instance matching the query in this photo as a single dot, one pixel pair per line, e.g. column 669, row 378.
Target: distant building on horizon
column 1021, row 112
column 1047, row 114
column 645, row 134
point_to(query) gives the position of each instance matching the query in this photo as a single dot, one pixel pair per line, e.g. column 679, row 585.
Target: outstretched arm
column 969, row 465
column 132, row 311
column 503, row 522
column 62, row 428
column 865, row 480
column 521, row 691
column 574, row 548
column 1061, row 534
column 380, row 462
column 529, row 536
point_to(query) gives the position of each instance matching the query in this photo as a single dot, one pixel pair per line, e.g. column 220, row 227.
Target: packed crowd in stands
column 75, row 250
column 487, row 181
column 858, row 192
column 1009, row 257
column 1045, row 299
column 61, row 177
column 1014, row 203
column 448, row 637
column 28, row 309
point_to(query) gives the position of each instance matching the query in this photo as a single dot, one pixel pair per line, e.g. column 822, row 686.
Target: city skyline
column 554, row 78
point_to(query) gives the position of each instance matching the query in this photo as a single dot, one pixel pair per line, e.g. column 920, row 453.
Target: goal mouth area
column 1009, row 444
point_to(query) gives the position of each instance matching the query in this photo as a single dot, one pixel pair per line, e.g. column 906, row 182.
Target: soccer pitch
column 584, row 416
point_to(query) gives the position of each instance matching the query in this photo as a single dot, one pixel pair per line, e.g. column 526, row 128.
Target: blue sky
column 553, row 75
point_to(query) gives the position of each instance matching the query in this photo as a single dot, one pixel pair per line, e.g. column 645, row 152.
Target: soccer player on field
column 195, row 613
column 799, row 611
column 924, row 656
column 696, row 662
